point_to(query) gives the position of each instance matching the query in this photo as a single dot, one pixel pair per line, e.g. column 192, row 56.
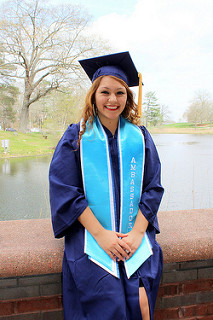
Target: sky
column 170, row 41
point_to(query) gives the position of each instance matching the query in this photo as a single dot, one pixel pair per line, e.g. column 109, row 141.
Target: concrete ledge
column 28, row 247
column 186, row 235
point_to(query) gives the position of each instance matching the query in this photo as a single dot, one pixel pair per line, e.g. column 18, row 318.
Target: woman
column 105, row 191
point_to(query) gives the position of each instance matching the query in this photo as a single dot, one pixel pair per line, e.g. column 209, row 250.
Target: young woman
column 105, row 191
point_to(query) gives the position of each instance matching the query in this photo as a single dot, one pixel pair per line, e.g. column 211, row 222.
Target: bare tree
column 151, row 109
column 165, row 113
column 200, row 109
column 5, row 69
column 44, row 44
column 8, row 94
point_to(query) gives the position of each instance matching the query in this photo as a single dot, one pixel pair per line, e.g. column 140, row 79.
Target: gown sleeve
column 152, row 190
column 67, row 200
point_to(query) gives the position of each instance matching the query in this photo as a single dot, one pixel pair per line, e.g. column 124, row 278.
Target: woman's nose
column 112, row 97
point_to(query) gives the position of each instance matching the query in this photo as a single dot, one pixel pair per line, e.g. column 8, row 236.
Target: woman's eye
column 120, row 92
column 105, row 92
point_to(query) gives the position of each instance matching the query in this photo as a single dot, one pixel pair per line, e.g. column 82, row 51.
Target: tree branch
column 42, row 94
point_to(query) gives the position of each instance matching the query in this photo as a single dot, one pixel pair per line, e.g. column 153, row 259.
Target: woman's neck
column 111, row 125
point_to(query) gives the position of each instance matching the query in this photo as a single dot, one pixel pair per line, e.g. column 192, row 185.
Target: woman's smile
column 111, row 107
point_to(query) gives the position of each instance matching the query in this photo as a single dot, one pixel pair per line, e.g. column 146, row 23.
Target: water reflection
column 6, row 167
column 24, row 188
column 187, row 171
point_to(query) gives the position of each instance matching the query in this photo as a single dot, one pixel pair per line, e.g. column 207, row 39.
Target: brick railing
column 31, row 259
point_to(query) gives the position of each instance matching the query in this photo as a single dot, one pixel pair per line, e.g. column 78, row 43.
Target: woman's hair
column 130, row 112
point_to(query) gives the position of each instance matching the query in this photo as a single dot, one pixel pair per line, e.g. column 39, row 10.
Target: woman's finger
column 121, row 235
column 112, row 256
column 124, row 245
column 121, row 255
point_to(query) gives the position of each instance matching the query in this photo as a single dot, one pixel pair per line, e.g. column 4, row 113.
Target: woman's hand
column 135, row 236
column 113, row 244
column 117, row 245
column 133, row 239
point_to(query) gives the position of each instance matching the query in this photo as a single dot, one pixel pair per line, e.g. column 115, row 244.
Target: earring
column 94, row 109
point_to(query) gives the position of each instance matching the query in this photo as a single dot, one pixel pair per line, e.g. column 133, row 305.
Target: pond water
column 187, row 176
column 187, row 170
column 24, row 188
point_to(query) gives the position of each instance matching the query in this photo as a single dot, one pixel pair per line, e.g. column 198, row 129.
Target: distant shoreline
column 167, row 130
column 34, row 145
column 11, row 156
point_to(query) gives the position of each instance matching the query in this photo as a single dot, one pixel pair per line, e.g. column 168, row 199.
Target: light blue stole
column 99, row 190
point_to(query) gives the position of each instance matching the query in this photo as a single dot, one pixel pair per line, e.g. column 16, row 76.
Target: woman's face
column 110, row 100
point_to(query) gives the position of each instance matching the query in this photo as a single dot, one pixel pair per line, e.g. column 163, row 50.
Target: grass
column 27, row 144
column 182, row 128
column 180, row 125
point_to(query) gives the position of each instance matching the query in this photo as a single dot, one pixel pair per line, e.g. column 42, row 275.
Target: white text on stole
column 132, row 192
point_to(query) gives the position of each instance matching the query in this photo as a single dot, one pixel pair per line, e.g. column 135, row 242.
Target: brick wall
column 186, row 292
column 31, row 298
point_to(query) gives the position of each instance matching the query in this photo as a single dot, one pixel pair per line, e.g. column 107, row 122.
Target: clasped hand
column 119, row 246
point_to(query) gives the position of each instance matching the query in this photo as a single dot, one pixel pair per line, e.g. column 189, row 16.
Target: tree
column 58, row 110
column 165, row 114
column 152, row 111
column 5, row 69
column 66, row 107
column 200, row 109
column 44, row 44
column 8, row 96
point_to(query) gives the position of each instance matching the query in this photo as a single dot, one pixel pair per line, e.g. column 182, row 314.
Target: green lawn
column 27, row 144
column 182, row 128
column 180, row 125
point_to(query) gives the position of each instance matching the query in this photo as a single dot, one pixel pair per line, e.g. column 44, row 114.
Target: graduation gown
column 90, row 292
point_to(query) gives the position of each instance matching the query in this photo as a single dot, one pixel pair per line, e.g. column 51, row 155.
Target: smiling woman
column 104, row 198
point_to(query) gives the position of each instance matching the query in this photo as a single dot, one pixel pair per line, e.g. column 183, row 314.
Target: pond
column 24, row 188
column 187, row 176
column 187, row 171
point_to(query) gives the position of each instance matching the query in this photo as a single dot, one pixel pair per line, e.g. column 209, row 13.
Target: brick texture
column 31, row 298
column 29, row 305
column 198, row 311
column 186, row 292
column 28, row 316
column 37, row 304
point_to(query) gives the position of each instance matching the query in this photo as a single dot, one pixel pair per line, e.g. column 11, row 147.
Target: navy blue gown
column 90, row 292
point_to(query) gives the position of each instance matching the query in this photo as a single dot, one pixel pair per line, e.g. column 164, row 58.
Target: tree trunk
column 24, row 117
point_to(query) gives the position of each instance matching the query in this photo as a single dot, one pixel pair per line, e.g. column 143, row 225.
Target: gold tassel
column 140, row 95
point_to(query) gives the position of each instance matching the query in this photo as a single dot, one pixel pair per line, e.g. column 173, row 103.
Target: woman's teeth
column 112, row 107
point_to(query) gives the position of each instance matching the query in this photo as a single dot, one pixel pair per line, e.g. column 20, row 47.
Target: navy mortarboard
column 119, row 65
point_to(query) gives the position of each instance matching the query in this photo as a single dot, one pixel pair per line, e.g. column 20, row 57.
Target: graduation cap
column 119, row 65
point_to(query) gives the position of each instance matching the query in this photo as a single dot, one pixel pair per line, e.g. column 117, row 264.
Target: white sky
column 170, row 41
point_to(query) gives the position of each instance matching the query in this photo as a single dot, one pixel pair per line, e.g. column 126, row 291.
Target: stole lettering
column 132, row 191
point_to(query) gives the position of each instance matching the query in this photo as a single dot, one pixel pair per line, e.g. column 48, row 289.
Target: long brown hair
column 130, row 112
